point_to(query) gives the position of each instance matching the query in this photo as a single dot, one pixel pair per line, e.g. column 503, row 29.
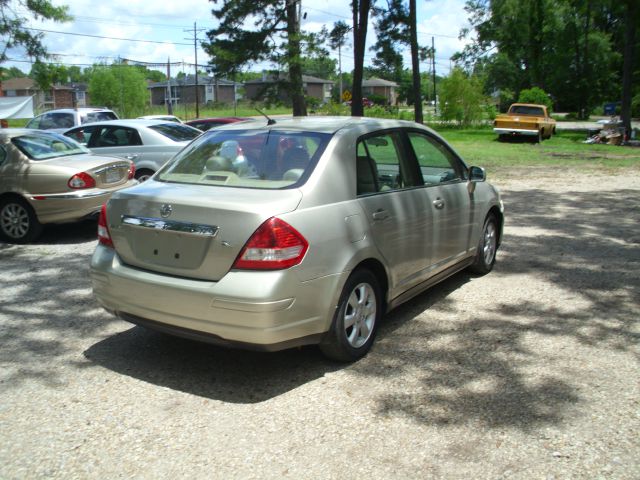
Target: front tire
column 487, row 247
column 355, row 322
column 18, row 221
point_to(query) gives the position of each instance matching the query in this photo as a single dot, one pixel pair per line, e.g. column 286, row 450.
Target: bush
column 535, row 95
column 378, row 99
column 461, row 98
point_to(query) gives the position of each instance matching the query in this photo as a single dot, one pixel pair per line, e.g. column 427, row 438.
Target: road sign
column 346, row 96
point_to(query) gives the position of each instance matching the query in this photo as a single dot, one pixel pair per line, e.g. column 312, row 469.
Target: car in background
column 205, row 124
column 64, row 118
column 46, row 178
column 270, row 235
column 148, row 143
column 526, row 120
column 166, row 118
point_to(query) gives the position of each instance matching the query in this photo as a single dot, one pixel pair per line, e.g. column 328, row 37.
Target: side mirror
column 477, row 174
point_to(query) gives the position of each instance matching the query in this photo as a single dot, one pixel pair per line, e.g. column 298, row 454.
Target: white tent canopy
column 16, row 107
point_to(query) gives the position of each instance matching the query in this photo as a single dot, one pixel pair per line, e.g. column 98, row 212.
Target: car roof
column 325, row 124
column 130, row 122
column 79, row 109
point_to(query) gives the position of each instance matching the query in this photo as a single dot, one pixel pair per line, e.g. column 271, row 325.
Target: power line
column 106, row 38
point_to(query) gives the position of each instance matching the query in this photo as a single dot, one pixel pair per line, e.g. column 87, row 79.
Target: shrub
column 535, row 95
column 461, row 98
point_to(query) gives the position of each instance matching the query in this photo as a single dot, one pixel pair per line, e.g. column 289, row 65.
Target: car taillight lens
column 81, row 180
column 104, row 237
column 275, row 245
column 132, row 171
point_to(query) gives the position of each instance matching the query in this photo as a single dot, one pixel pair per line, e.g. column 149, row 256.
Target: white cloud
column 167, row 22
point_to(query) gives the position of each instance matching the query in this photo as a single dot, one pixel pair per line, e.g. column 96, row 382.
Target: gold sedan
column 48, row 178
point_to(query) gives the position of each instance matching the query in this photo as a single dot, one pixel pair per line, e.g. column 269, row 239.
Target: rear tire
column 18, row 221
column 355, row 322
column 487, row 247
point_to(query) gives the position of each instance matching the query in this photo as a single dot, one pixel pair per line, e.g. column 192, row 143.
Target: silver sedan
column 300, row 231
column 148, row 143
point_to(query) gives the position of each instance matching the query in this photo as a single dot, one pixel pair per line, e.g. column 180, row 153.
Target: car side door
column 388, row 192
column 117, row 140
column 446, row 192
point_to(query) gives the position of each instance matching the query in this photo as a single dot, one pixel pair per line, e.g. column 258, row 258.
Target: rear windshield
column 176, row 131
column 99, row 117
column 247, row 158
column 527, row 110
column 42, row 147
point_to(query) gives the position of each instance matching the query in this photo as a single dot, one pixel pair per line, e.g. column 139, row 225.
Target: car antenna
column 270, row 121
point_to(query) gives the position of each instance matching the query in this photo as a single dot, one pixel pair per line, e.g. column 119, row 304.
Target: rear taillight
column 104, row 237
column 81, row 180
column 275, row 245
column 132, row 171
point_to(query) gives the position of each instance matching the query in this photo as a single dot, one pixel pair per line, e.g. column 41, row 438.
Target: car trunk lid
column 190, row 231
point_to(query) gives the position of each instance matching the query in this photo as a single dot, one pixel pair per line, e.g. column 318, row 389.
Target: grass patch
column 564, row 150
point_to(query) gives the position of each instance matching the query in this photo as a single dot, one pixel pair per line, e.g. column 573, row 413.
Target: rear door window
column 381, row 165
column 115, row 136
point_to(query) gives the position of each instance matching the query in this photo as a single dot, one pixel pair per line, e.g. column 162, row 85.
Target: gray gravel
column 529, row 372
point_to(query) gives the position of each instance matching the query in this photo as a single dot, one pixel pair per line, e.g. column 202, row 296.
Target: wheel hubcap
column 14, row 220
column 489, row 246
column 360, row 315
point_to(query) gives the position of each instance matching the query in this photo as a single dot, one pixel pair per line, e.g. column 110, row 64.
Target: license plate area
column 113, row 175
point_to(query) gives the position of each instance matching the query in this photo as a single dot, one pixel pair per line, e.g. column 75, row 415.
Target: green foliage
column 320, row 67
column 15, row 16
column 378, row 99
column 461, row 98
column 635, row 106
column 13, row 72
column 120, row 87
column 570, row 48
column 535, row 95
column 490, row 111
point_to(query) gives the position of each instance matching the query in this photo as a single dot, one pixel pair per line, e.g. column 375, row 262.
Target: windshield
column 176, row 132
column 41, row 147
column 247, row 158
column 98, row 117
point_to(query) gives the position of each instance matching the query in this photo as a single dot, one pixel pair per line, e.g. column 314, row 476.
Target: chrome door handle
column 438, row 203
column 131, row 157
column 379, row 215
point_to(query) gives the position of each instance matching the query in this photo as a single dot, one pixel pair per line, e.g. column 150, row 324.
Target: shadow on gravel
column 483, row 370
column 45, row 305
column 235, row 376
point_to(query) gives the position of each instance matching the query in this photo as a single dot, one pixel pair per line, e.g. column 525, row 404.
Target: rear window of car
column 267, row 159
column 99, row 117
column 43, row 147
column 176, row 132
column 527, row 110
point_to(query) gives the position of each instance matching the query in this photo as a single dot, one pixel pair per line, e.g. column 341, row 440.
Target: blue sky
column 165, row 23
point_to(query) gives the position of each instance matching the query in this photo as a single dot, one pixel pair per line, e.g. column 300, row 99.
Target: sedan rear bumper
column 71, row 206
column 260, row 310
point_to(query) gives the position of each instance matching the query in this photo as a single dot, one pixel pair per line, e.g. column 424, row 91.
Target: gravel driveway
column 529, row 372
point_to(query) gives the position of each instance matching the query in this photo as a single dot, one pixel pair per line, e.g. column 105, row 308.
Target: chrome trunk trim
column 194, row 229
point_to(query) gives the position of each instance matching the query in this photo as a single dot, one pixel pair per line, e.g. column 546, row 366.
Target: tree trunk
column 360, row 20
column 415, row 62
column 627, row 71
column 296, row 88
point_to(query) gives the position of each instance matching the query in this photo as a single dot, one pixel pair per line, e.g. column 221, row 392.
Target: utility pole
column 195, row 51
column 170, row 102
column 433, row 59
